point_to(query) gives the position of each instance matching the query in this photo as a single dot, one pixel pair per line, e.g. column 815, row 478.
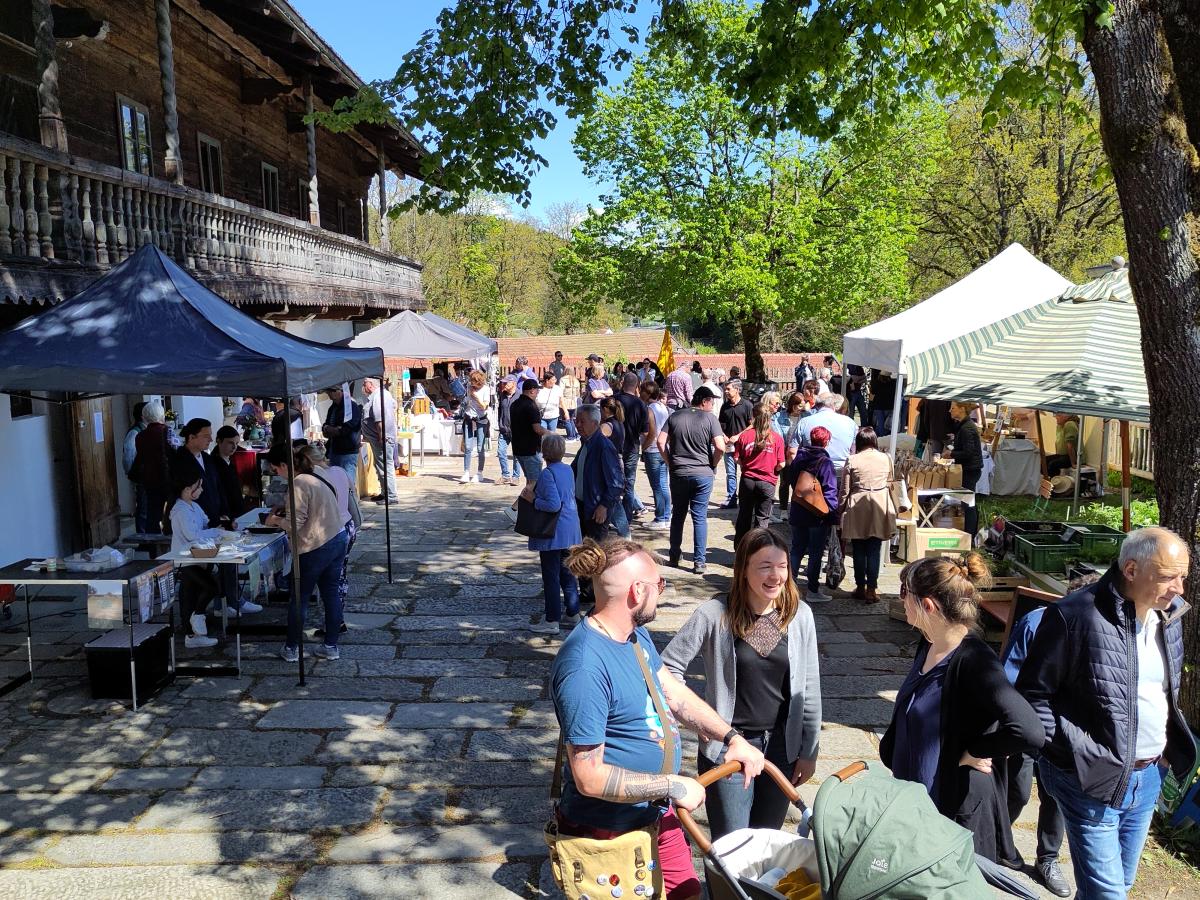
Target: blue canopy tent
column 148, row 327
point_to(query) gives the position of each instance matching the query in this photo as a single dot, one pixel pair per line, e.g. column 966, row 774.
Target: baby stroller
column 873, row 836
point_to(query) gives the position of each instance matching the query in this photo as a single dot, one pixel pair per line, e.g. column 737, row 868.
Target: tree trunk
column 1145, row 101
column 752, row 326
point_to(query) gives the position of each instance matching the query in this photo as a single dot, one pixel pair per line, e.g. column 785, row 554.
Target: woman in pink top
column 760, row 452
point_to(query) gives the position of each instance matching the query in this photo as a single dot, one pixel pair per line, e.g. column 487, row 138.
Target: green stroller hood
column 879, row 837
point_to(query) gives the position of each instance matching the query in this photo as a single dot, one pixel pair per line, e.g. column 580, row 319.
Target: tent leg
column 1078, row 468
column 387, row 509
column 896, row 416
column 1126, row 481
column 1037, row 418
column 297, row 603
column 1102, row 477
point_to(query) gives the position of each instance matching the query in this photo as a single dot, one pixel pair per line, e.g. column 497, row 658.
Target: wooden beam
column 255, row 91
column 50, row 119
column 1126, row 480
column 310, row 140
column 384, row 242
column 173, row 161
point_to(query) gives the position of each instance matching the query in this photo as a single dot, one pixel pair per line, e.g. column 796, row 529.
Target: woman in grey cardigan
column 760, row 662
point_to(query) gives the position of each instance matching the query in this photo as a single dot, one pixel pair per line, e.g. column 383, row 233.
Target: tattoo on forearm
column 589, row 753
column 624, row 786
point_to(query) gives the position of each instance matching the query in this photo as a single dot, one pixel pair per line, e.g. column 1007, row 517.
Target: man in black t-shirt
column 691, row 445
column 637, row 418
column 525, row 419
column 735, row 418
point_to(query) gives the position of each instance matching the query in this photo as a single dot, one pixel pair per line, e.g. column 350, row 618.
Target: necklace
column 602, row 628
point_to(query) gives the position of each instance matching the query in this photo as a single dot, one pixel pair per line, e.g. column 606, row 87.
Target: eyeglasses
column 661, row 584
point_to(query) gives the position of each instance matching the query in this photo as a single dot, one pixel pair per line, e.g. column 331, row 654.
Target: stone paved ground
column 417, row 765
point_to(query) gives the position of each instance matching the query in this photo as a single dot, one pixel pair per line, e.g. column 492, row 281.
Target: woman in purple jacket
column 810, row 531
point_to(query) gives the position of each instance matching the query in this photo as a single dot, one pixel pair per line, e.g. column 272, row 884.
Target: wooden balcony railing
column 1141, row 451
column 58, row 207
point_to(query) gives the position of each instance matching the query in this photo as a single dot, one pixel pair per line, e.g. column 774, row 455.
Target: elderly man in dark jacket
column 599, row 475
column 1103, row 675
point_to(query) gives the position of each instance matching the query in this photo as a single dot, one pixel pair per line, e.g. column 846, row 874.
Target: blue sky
column 372, row 36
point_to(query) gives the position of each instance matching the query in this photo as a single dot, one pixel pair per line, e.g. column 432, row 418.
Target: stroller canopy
column 877, row 836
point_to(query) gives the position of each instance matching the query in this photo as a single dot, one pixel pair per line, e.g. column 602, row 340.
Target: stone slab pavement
column 416, row 766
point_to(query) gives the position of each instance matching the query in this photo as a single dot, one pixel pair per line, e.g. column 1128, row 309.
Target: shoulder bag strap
column 559, row 758
column 324, row 482
column 670, row 763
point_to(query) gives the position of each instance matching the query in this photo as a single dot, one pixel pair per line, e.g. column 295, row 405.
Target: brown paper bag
column 954, row 476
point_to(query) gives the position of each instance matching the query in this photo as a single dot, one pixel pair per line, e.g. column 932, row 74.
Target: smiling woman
column 760, row 661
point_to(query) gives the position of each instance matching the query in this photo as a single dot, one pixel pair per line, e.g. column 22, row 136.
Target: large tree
column 708, row 213
column 822, row 64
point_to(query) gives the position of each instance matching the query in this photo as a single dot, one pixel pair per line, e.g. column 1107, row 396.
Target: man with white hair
column 1103, row 674
column 842, row 430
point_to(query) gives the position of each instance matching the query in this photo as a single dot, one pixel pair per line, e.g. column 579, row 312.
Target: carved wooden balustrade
column 58, row 207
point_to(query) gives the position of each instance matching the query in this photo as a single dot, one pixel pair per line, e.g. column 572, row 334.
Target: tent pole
column 298, row 604
column 387, row 511
column 1078, row 467
column 1037, row 419
column 1102, row 477
column 896, row 416
column 1125, row 479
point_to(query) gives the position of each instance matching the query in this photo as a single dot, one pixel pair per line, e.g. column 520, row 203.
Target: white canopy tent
column 1013, row 281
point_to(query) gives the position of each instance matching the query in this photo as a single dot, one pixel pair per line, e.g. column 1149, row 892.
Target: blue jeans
column 690, row 493
column 141, row 509
column 1106, row 842
column 569, row 419
column 763, row 805
column 502, row 455
column 731, row 479
column 631, row 502
column 550, row 425
column 558, row 584
column 530, row 466
column 867, row 554
column 320, row 569
column 881, row 421
column 473, row 442
column 858, row 403
column 385, row 469
column 349, row 463
column 656, row 472
column 809, row 539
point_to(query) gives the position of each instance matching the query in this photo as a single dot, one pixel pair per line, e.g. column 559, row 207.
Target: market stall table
column 130, row 576
column 231, row 557
column 1018, row 468
column 966, row 498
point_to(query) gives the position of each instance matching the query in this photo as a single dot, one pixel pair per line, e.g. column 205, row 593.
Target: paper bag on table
column 954, row 476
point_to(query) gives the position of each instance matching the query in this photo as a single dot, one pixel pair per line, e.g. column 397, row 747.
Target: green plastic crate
column 1091, row 536
column 1045, row 552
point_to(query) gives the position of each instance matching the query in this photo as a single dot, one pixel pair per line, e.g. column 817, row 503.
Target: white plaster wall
column 30, row 496
column 325, row 331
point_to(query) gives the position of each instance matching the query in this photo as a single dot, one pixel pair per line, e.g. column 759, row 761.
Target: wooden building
column 180, row 123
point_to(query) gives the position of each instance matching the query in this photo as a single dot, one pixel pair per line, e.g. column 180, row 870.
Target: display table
column 230, row 558
column 139, row 574
column 1018, row 468
column 926, row 519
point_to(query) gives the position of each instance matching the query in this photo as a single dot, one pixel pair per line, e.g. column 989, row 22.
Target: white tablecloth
column 1018, row 468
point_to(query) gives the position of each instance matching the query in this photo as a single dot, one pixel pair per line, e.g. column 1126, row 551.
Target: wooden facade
column 181, row 123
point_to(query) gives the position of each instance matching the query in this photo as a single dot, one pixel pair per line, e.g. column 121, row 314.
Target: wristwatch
column 730, row 735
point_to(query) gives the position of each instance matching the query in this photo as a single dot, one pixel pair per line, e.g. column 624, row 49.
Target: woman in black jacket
column 957, row 718
column 968, row 453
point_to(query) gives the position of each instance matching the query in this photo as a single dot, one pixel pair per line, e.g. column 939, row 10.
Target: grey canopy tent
column 148, row 327
column 414, row 336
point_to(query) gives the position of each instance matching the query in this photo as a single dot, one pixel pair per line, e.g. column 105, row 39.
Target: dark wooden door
column 96, row 470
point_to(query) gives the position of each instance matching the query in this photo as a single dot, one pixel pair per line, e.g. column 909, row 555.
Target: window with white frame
column 133, row 122
column 212, row 173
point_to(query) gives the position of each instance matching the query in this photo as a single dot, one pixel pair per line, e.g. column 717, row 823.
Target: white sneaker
column 466, row 478
column 199, row 642
column 659, row 526
column 249, row 607
column 199, row 624
column 475, row 479
column 289, row 654
column 324, row 651
column 816, row 597
column 545, row 628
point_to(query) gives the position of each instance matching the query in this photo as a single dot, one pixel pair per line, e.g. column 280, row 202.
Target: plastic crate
column 1045, row 552
column 1013, row 529
column 1091, row 536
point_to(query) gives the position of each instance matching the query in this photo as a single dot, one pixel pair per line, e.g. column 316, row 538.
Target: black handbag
column 533, row 522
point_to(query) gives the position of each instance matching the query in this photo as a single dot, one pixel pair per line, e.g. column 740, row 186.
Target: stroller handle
column 724, row 771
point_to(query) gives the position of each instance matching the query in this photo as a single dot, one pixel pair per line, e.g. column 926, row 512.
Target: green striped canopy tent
column 1079, row 354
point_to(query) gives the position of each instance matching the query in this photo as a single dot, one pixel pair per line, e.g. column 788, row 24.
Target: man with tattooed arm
column 623, row 759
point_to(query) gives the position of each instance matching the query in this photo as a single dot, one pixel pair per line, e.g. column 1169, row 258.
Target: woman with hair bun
column 957, row 718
